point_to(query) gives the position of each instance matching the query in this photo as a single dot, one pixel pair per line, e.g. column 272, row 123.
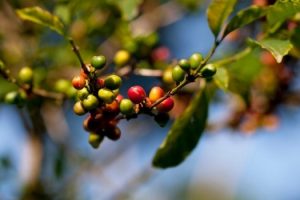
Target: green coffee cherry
column 79, row 109
column 25, row 75
column 178, row 74
column 113, row 82
column 62, row 85
column 11, row 97
column 126, row 107
column 95, row 139
column 106, row 95
column 184, row 64
column 122, row 57
column 90, row 103
column 98, row 62
column 208, row 71
column 2, row 66
column 82, row 94
column 195, row 60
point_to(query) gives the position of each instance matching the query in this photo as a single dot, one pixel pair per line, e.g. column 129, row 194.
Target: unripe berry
column 167, row 76
column 106, row 95
column 83, row 93
column 25, row 75
column 95, row 139
column 156, row 93
column 136, row 94
column 178, row 74
column 98, row 62
column 11, row 97
column 208, row 71
column 121, row 58
column 184, row 64
column 166, row 105
column 195, row 60
column 90, row 103
column 78, row 82
column 113, row 82
column 78, row 108
column 126, row 107
column 62, row 85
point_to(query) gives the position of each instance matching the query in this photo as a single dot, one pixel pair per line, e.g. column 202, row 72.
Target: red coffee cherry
column 112, row 107
column 119, row 98
column 100, row 83
column 78, row 82
column 156, row 93
column 83, row 74
column 166, row 105
column 136, row 94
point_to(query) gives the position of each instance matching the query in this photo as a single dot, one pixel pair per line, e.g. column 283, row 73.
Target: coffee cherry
column 83, row 93
column 93, row 122
column 166, row 105
column 95, row 139
column 113, row 82
column 25, row 75
column 208, row 71
column 98, row 62
column 11, row 97
column 167, row 76
column 119, row 98
column 106, row 95
column 90, row 103
column 83, row 74
column 121, row 58
column 112, row 107
column 162, row 119
column 62, row 85
column 126, row 107
column 161, row 54
column 78, row 108
column 100, row 83
column 156, row 93
column 195, row 60
column 178, row 74
column 78, row 82
column 184, row 64
column 136, row 94
column 112, row 132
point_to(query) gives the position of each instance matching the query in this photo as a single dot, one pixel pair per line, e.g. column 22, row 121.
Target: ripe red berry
column 119, row 98
column 161, row 54
column 83, row 74
column 78, row 82
column 136, row 94
column 166, row 105
column 156, row 93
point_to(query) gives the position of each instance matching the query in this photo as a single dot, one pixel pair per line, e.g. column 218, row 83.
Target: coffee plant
column 90, row 54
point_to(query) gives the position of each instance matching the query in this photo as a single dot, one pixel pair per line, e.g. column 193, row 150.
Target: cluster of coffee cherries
column 187, row 67
column 24, row 78
column 99, row 96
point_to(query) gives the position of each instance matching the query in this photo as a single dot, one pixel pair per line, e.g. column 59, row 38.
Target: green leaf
column 281, row 11
column 129, row 8
column 221, row 78
column 42, row 17
column 184, row 134
column 243, row 71
column 217, row 12
column 244, row 17
column 278, row 48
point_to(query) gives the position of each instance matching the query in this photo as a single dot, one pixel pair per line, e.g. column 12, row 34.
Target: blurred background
column 247, row 152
